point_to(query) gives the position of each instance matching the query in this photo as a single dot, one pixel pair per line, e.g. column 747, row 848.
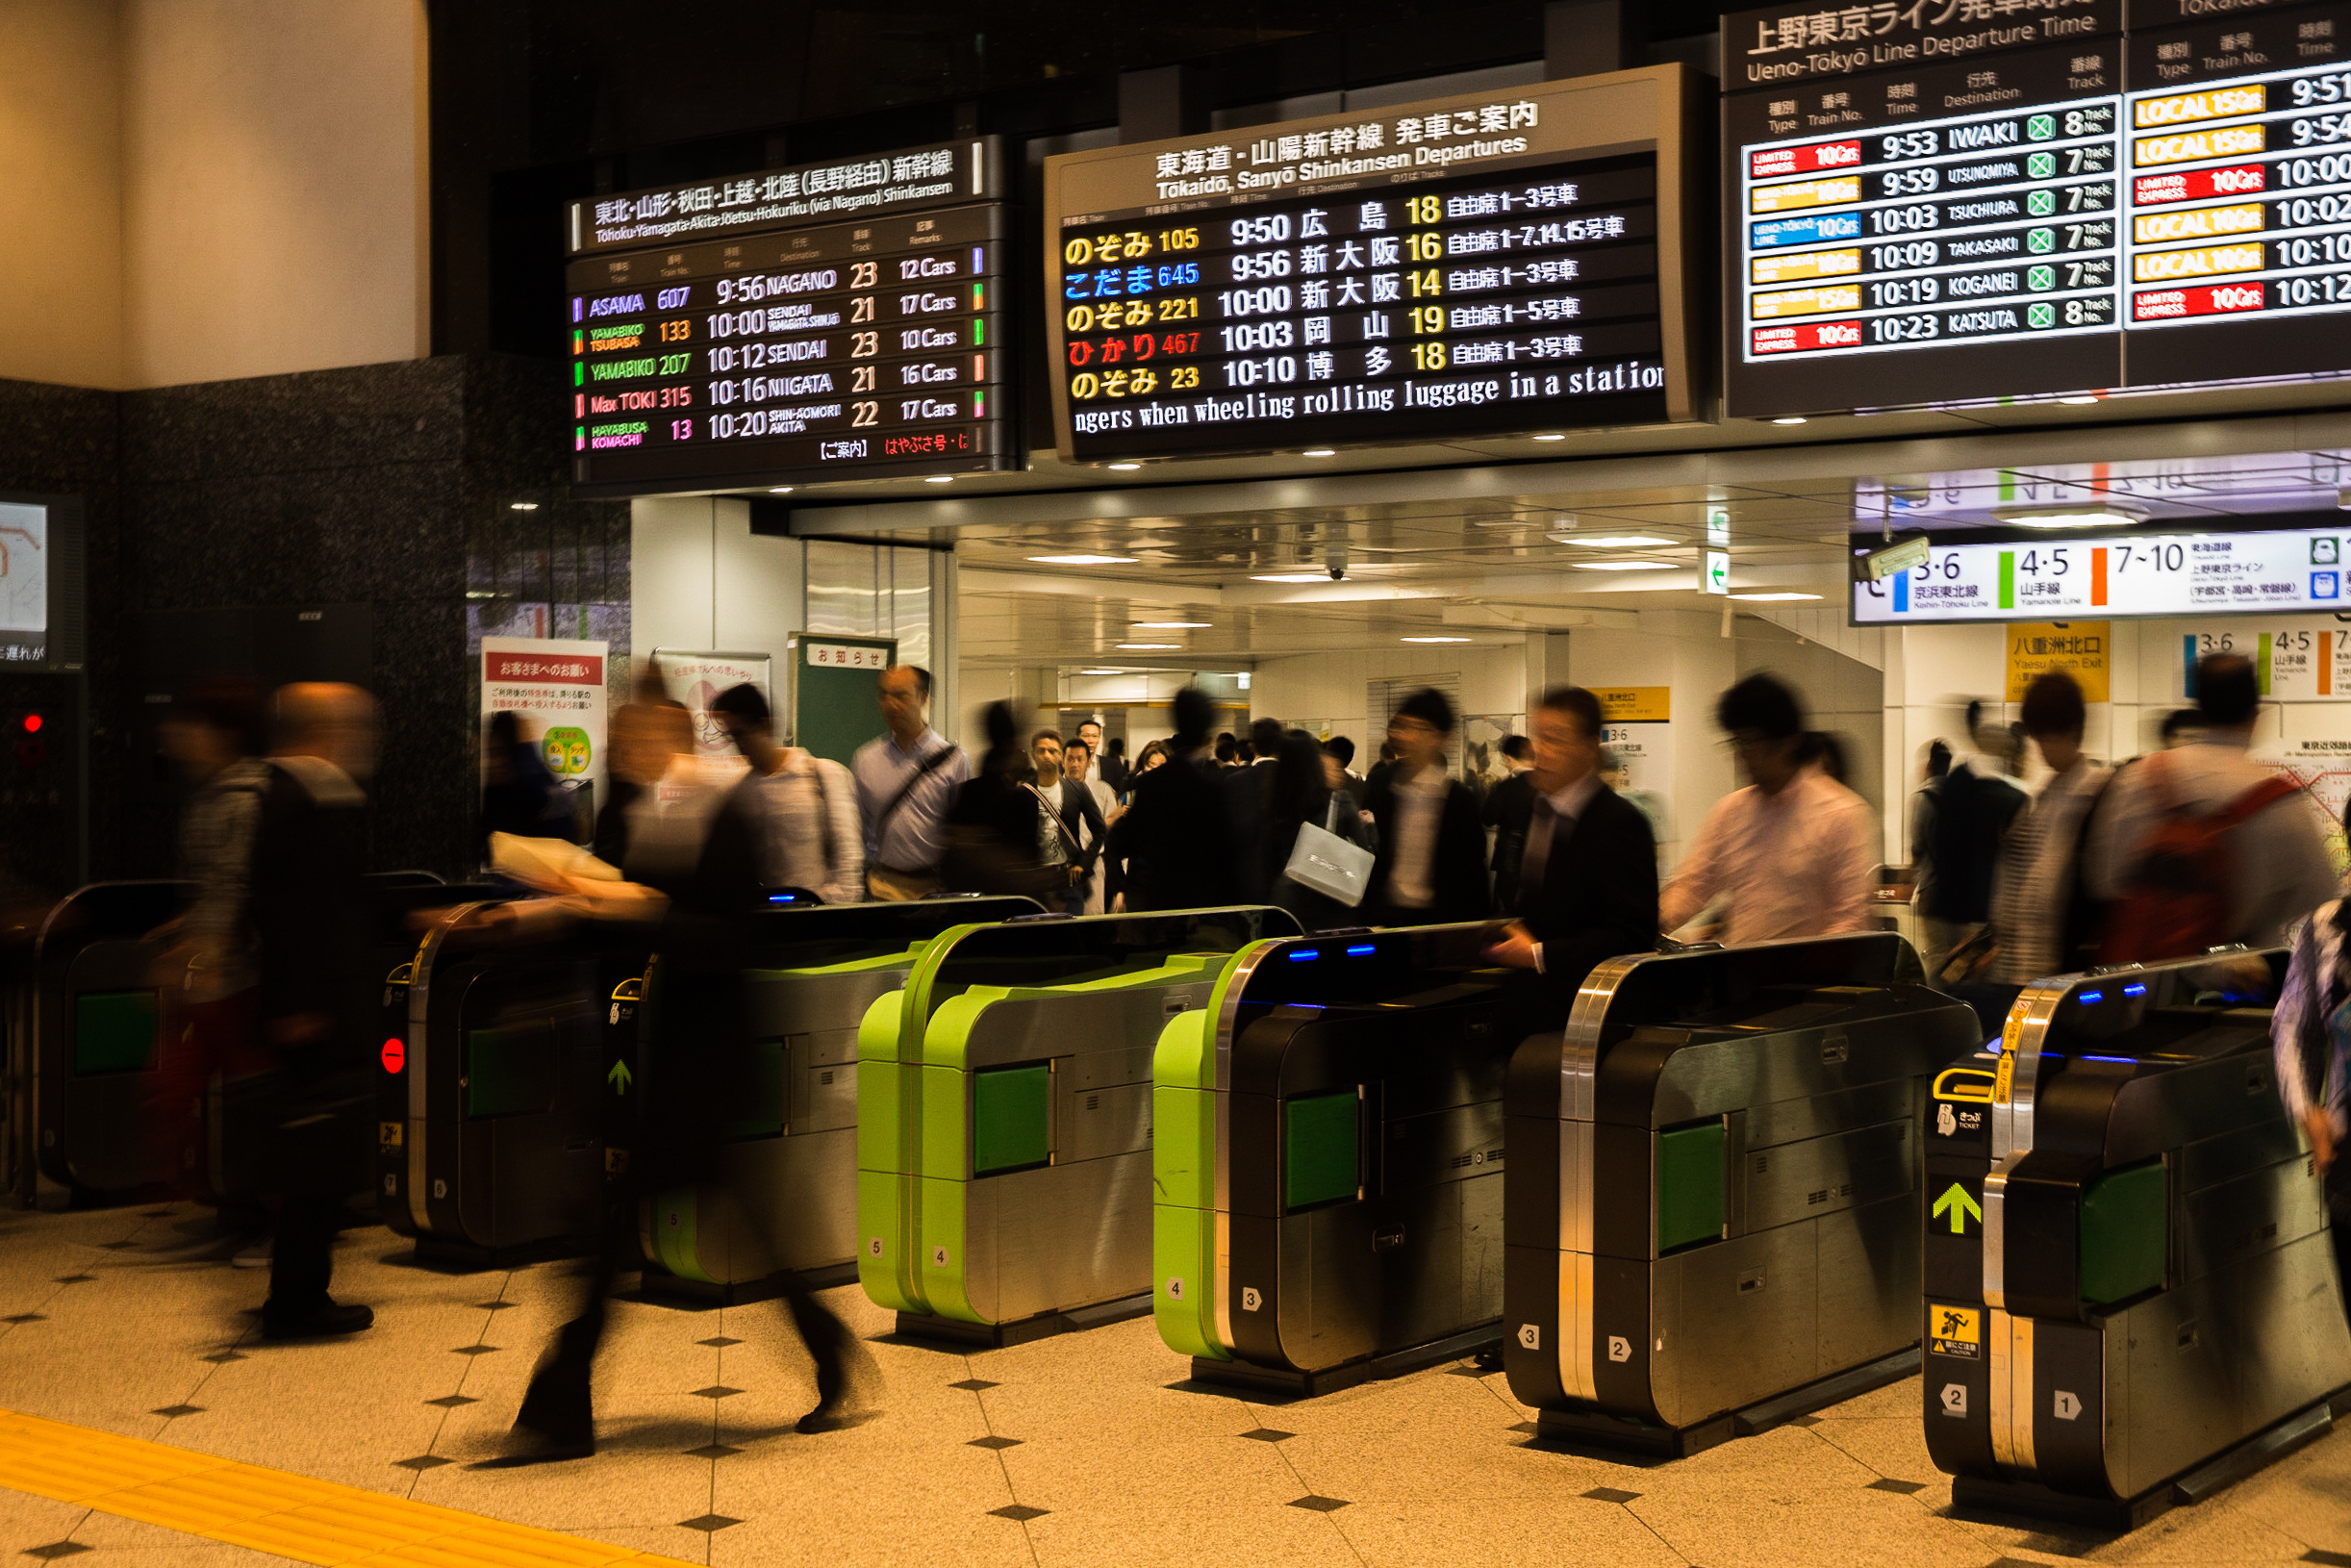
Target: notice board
column 836, row 691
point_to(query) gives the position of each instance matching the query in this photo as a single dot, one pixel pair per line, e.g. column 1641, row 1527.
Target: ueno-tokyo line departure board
column 1476, row 265
column 871, row 345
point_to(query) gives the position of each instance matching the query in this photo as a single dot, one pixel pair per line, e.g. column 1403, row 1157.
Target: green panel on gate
column 510, row 1071
column 1689, row 1185
column 114, row 1032
column 751, row 1091
column 1320, row 1162
column 2125, row 1231
column 1012, row 1118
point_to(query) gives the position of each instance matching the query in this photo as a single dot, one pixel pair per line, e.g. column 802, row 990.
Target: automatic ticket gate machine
column 782, row 1100
column 1328, row 1159
column 1713, row 1196
column 1004, row 1118
column 2147, row 1308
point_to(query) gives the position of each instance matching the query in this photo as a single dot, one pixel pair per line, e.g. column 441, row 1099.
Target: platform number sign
column 1620, row 1349
column 1174, row 1287
column 1250, row 1299
column 873, row 1247
column 1530, row 1336
column 1955, row 1399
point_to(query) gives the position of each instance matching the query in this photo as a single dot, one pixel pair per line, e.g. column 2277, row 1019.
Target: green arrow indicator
column 1960, row 1206
column 618, row 1079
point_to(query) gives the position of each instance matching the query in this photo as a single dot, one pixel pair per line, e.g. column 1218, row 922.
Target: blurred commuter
column 1342, row 748
column 2201, row 846
column 907, row 781
column 1431, row 868
column 1111, row 765
column 2181, row 726
column 804, row 806
column 669, row 821
column 1080, row 765
column 1509, row 809
column 2310, row 1034
column 1588, row 887
column 1300, row 795
column 313, row 943
column 1960, row 822
column 2044, row 921
column 1228, row 750
column 1073, row 830
column 1825, row 749
column 637, row 759
column 1378, row 773
column 520, row 796
column 1792, row 851
column 1116, row 847
column 1178, row 841
column 1247, row 790
column 995, row 830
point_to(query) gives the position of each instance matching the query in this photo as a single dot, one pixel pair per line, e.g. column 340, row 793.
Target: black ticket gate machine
column 1329, row 1158
column 1713, row 1200
column 2148, row 1307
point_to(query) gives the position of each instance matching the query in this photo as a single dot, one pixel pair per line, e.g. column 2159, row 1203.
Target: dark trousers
column 315, row 1130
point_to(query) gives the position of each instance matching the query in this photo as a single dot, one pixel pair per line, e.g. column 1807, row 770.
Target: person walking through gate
column 907, row 779
column 1431, row 867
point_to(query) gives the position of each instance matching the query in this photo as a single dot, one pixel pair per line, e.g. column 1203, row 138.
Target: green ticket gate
column 1713, row 1198
column 1004, row 1118
column 2148, row 1307
column 783, row 1100
column 1328, row 1161
column 104, row 1049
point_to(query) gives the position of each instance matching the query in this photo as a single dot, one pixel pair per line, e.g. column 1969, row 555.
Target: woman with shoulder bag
column 1312, row 879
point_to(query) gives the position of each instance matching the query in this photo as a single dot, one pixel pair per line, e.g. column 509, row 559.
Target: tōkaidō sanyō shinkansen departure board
column 1479, row 265
column 2237, row 250
column 1922, row 202
column 837, row 321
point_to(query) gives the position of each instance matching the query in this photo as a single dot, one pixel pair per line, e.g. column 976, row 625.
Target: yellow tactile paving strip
column 269, row 1510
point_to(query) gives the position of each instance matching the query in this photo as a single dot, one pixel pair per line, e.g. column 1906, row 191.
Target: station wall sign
column 1484, row 264
column 2058, row 577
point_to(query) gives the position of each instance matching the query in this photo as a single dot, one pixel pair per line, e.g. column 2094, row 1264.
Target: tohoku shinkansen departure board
column 1485, row 265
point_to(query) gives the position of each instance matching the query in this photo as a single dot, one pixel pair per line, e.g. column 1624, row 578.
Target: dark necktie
column 1542, row 827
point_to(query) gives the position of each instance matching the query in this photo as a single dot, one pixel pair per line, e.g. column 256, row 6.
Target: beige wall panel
column 61, row 249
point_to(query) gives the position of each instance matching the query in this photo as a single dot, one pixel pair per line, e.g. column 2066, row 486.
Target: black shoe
column 821, row 1420
column 1488, row 1359
column 321, row 1322
column 528, row 1446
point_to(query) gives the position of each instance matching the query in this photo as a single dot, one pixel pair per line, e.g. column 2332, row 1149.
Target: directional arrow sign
column 618, row 1079
column 1955, row 1203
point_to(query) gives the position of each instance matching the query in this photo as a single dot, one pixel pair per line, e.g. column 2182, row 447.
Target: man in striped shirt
column 2042, row 918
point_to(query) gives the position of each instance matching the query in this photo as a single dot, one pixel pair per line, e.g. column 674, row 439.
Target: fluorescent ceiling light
column 1292, row 577
column 1170, row 625
column 939, row 479
column 1551, row 438
column 1793, row 418
column 1773, row 599
column 1101, row 671
column 2080, row 399
column 1148, row 647
column 779, row 490
column 522, row 506
column 2072, row 516
column 1624, row 565
column 1319, row 451
column 1434, row 639
column 1613, row 542
column 1125, row 468
column 1083, row 560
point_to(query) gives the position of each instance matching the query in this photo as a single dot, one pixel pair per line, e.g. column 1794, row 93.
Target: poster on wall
column 695, row 678
column 556, row 688
column 1638, row 734
column 2323, row 770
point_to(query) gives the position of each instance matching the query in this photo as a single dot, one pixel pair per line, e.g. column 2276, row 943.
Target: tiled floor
column 1084, row 1449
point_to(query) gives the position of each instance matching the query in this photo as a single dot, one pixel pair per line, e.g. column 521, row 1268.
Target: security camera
column 1338, row 572
column 1335, row 561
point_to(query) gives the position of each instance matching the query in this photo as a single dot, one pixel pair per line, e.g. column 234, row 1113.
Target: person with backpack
column 1959, row 825
column 907, row 781
column 2201, row 847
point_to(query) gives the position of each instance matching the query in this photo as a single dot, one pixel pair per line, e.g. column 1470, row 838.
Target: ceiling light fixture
column 1125, row 468
column 1083, row 560
column 522, row 506
column 1320, row 451
column 2080, row 399
column 1773, row 599
column 1170, row 625
column 1551, row 438
column 939, row 479
column 1792, row 418
column 1291, row 577
column 1616, row 542
column 1433, row 639
column 1101, row 671
column 1148, row 647
column 2073, row 517
column 1624, row 565
column 779, row 490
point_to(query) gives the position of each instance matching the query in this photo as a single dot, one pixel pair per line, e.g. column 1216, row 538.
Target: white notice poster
column 556, row 688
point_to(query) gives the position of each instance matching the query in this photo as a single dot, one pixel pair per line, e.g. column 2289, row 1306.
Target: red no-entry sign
column 396, row 1054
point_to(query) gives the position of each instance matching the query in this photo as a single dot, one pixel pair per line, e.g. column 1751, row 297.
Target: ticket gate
column 1328, row 1160
column 1004, row 1118
column 1714, row 1199
column 2148, row 1307
column 783, row 1100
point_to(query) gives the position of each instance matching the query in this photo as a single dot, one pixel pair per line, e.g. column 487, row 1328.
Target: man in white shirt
column 906, row 783
column 807, row 806
column 1793, row 850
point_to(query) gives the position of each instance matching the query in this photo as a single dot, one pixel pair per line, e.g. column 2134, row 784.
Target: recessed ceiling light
column 779, row 490
column 1433, row 639
column 1613, row 542
column 1319, row 451
column 939, row 479
column 1773, row 599
column 2080, row 399
column 2072, row 516
column 1125, row 468
column 1148, row 647
column 522, row 506
column 1083, row 560
column 1624, row 565
column 1101, row 671
column 1793, row 418
column 1551, row 438
column 1291, row 577
column 1170, row 625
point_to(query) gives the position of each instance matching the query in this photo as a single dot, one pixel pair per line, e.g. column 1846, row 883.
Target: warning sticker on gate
column 1956, row 1331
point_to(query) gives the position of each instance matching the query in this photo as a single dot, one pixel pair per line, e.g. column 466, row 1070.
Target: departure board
column 2143, row 574
column 1945, row 229
column 2238, row 248
column 870, row 347
column 1509, row 263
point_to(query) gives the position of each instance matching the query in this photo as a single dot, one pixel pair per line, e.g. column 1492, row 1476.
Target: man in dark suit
column 1431, row 865
column 1177, row 834
column 1588, row 883
column 1245, row 790
column 1509, row 807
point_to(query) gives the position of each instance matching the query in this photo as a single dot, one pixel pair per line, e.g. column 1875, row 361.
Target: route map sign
column 1478, row 266
column 832, row 322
